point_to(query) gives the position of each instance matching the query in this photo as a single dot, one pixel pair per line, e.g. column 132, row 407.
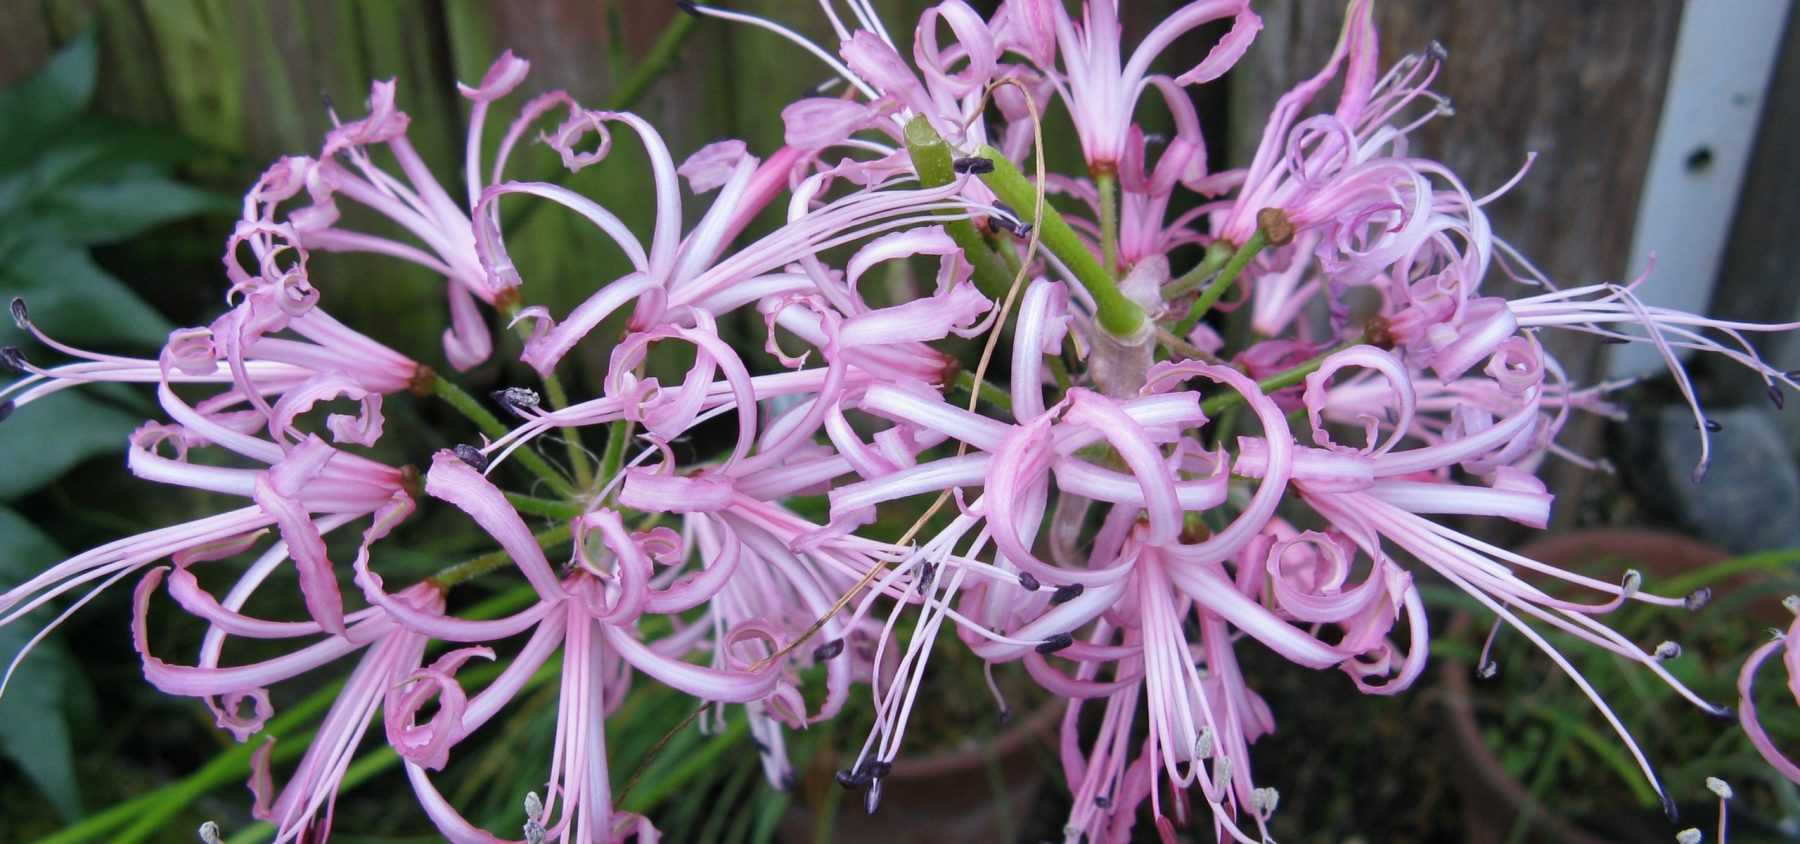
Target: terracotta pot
column 1492, row 799
column 945, row 797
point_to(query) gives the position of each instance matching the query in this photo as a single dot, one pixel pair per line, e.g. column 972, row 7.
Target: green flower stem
column 932, row 161
column 1216, row 256
column 1117, row 315
column 548, row 507
column 1107, row 184
column 476, row 566
column 965, row 381
column 491, row 425
column 1286, row 378
column 618, row 437
column 655, row 63
column 1222, row 282
column 578, row 456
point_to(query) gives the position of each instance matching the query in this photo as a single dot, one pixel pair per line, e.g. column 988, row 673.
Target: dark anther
column 1005, row 716
column 853, row 780
column 688, row 6
column 875, row 769
column 927, row 573
column 1487, row 670
column 1669, row 808
column 6, row 409
column 1064, row 594
column 1102, row 801
column 1614, row 341
column 1697, row 598
column 1028, row 582
column 1776, row 397
column 828, row 650
column 1791, row 375
column 788, row 782
column 472, row 456
column 14, row 358
column 1055, row 643
column 1438, row 50
column 758, row 744
column 21, row 316
column 1711, row 426
column 973, row 165
column 517, row 400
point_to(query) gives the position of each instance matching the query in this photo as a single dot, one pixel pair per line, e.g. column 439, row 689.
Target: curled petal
column 501, row 78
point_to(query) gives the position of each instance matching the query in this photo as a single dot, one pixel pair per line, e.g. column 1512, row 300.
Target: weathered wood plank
column 1580, row 84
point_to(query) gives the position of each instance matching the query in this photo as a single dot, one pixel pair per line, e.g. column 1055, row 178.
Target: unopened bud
column 1719, row 787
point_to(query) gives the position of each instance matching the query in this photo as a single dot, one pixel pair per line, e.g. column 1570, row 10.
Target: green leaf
column 34, row 726
column 44, row 439
column 73, row 299
column 115, row 210
column 34, row 109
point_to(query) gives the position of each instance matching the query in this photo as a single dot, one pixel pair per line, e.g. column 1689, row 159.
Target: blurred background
column 128, row 130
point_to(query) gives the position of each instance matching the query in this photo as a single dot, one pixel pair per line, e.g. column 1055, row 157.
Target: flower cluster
column 1141, row 500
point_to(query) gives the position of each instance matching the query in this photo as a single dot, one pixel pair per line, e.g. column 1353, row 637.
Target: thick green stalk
column 1107, row 184
column 932, row 161
column 1222, row 282
column 1117, row 315
column 491, row 425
